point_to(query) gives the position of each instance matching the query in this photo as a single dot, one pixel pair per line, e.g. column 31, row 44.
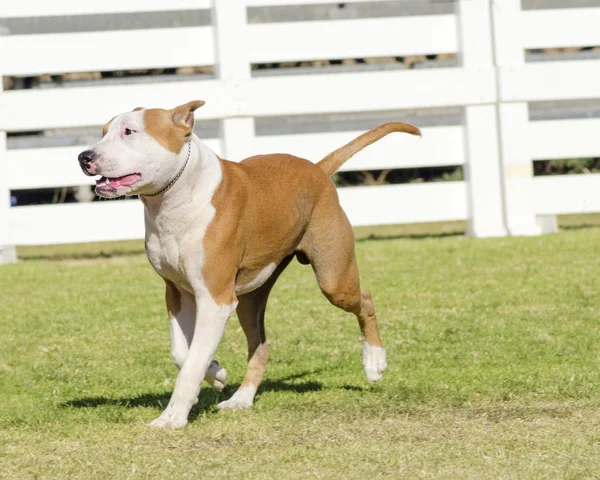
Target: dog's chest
column 164, row 254
column 175, row 255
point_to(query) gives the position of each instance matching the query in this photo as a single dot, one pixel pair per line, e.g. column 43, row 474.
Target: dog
column 220, row 233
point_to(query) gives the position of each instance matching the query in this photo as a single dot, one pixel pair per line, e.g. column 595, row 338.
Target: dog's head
column 140, row 150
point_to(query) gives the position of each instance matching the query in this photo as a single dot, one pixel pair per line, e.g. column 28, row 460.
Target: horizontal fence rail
column 106, row 51
column 41, row 8
column 257, row 97
column 489, row 82
column 403, row 36
column 566, row 80
column 564, row 27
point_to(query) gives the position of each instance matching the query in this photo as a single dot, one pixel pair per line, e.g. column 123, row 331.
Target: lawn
column 493, row 354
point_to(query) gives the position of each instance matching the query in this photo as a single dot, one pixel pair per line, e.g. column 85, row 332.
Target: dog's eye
column 128, row 131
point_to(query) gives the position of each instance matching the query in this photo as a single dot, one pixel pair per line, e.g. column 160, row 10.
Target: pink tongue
column 124, row 181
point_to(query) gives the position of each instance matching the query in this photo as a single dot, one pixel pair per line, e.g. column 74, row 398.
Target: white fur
column 374, row 361
column 182, row 333
column 257, row 281
column 119, row 154
column 209, row 330
column 242, row 398
column 182, row 329
column 216, row 376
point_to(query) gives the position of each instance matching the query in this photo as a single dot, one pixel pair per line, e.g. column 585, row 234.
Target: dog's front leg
column 181, row 307
column 210, row 323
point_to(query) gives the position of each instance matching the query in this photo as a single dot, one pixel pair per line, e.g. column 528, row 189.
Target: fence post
column 517, row 167
column 482, row 166
column 7, row 250
column 232, row 67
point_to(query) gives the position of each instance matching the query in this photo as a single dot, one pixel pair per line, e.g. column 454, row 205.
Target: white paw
column 243, row 398
column 374, row 362
column 169, row 420
column 216, row 376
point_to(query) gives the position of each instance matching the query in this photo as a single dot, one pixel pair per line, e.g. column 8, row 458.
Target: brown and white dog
column 220, row 233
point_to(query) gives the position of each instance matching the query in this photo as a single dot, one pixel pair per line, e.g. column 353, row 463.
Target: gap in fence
column 546, row 4
column 564, row 109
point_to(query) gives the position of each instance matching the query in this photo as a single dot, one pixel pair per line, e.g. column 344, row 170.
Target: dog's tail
column 332, row 162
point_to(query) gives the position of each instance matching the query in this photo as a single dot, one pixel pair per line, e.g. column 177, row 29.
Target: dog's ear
column 183, row 115
column 137, row 109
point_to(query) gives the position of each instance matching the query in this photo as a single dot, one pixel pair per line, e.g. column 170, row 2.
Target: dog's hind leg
column 181, row 307
column 251, row 313
column 329, row 246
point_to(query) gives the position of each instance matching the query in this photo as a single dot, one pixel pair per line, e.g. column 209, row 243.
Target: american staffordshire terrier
column 220, row 233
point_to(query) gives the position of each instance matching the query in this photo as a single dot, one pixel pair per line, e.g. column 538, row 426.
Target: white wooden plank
column 397, row 204
column 7, row 251
column 554, row 139
column 517, row 170
column 105, row 51
column 474, row 33
column 230, row 23
column 269, row 3
column 45, row 8
column 483, row 174
column 564, row 194
column 372, row 37
column 5, row 231
column 567, row 80
column 45, row 168
column 513, row 119
column 482, row 152
column 439, row 146
column 564, row 27
column 264, row 96
column 366, row 91
column 77, row 222
column 24, row 110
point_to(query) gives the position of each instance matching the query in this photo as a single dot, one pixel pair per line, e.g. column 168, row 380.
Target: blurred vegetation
column 403, row 175
column 565, row 166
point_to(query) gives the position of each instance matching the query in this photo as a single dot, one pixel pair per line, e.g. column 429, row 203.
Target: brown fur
column 171, row 128
column 332, row 162
column 159, row 124
column 251, row 312
column 107, row 126
column 264, row 208
column 173, row 299
column 269, row 208
column 262, row 211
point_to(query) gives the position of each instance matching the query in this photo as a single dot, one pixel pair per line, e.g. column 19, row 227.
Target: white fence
column 495, row 143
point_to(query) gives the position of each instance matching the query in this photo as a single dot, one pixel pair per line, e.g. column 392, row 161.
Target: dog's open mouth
column 124, row 181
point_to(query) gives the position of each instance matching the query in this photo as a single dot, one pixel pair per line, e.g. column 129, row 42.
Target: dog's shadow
column 208, row 397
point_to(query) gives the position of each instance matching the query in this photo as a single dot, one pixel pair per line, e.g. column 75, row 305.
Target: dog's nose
column 86, row 157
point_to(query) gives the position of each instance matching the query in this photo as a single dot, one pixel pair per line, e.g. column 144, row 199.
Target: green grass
column 492, row 350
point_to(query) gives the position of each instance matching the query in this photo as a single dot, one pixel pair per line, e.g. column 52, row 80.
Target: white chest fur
column 176, row 250
column 176, row 227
